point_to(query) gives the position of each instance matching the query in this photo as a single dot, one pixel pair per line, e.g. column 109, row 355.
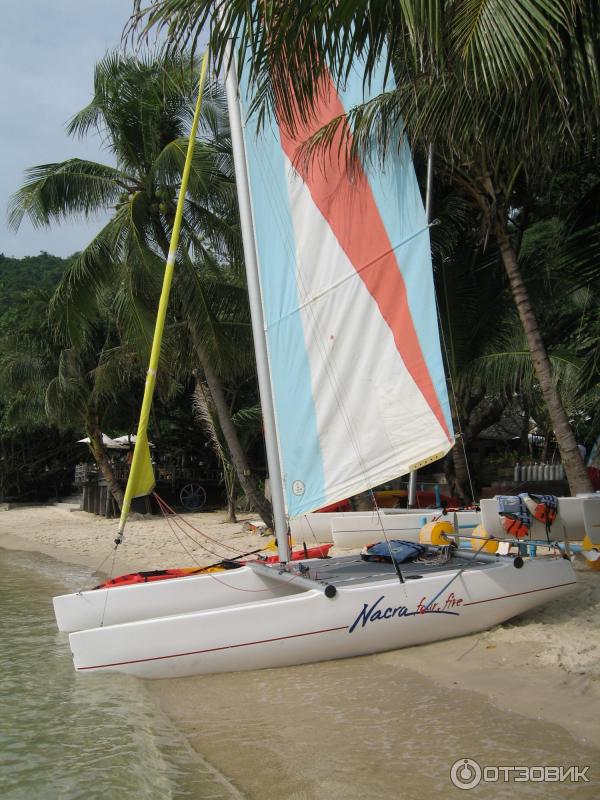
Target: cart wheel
column 192, row 497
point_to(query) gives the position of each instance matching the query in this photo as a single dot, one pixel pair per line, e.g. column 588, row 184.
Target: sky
column 48, row 50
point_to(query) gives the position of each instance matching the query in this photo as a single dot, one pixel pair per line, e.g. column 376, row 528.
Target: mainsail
column 346, row 281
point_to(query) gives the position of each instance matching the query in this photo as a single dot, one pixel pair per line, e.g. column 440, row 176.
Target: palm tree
column 488, row 353
column 288, row 47
column 505, row 92
column 74, row 390
column 487, row 358
column 142, row 110
column 81, row 394
column 465, row 282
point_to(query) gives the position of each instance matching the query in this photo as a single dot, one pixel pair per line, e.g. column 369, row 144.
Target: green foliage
column 102, row 314
column 40, row 273
column 141, row 108
column 36, row 460
column 490, row 46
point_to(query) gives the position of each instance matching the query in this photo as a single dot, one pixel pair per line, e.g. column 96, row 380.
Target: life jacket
column 542, row 507
column 516, row 526
column 516, row 519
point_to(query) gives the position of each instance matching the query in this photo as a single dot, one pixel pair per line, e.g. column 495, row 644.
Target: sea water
column 67, row 736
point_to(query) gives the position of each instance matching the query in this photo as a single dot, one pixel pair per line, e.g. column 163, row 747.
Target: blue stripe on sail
column 299, row 445
column 400, row 205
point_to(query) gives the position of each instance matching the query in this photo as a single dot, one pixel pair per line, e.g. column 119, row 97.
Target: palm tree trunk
column 461, row 471
column 99, row 453
column 231, row 507
column 238, row 457
column 571, row 457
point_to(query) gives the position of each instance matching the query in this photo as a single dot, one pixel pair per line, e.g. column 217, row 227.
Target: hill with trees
column 18, row 275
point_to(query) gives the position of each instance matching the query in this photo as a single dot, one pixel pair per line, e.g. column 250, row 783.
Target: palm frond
column 57, row 191
column 511, row 37
column 287, row 48
column 204, row 413
column 507, row 369
column 74, row 306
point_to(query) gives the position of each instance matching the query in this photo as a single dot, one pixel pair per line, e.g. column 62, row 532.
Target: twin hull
column 254, row 628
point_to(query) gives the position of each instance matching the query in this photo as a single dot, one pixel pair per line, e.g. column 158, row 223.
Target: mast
column 141, row 475
column 412, row 480
column 256, row 310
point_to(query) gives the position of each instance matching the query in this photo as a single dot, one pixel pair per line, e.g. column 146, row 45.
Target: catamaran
column 353, row 394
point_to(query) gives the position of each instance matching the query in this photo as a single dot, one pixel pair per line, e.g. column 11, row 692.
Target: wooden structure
column 187, row 487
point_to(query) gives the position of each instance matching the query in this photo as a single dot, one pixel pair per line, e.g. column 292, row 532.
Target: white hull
column 576, row 518
column 251, row 633
column 101, row 607
column 351, row 532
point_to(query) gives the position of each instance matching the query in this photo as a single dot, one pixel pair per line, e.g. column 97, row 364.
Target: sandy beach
column 544, row 666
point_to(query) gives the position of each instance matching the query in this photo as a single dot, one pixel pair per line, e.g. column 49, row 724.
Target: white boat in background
column 353, row 394
column 353, row 532
column 316, row 528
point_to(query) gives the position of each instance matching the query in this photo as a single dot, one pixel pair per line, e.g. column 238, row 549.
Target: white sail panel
column 372, row 420
column 358, row 387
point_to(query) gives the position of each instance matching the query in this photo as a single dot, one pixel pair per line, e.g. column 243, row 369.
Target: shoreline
column 80, row 538
column 544, row 666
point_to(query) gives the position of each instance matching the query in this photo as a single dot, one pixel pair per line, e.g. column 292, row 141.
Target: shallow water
column 68, row 736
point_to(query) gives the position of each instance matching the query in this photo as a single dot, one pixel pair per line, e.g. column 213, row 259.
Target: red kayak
column 164, row 574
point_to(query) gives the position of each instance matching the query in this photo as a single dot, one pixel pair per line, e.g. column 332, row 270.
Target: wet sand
column 363, row 729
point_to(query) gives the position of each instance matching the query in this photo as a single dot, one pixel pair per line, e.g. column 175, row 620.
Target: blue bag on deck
column 402, row 551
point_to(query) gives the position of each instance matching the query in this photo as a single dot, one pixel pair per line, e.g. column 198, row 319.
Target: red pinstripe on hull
column 215, row 649
column 518, row 594
column 295, row 635
column 351, row 211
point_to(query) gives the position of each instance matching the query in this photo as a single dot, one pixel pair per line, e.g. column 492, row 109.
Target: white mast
column 256, row 311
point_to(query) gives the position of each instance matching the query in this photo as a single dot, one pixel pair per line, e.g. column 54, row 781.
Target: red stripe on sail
column 348, row 205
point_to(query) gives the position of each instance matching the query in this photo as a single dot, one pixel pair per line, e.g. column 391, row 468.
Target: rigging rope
column 164, row 507
column 453, row 392
column 112, row 569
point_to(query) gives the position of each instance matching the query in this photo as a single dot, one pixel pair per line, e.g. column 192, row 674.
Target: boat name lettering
column 375, row 612
column 450, row 602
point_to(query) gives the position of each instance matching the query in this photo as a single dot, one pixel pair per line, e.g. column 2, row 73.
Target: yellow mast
column 141, row 475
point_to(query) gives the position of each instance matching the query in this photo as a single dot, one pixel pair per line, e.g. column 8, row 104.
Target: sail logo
column 377, row 613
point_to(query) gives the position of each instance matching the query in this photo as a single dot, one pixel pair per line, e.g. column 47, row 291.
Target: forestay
column 347, row 290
